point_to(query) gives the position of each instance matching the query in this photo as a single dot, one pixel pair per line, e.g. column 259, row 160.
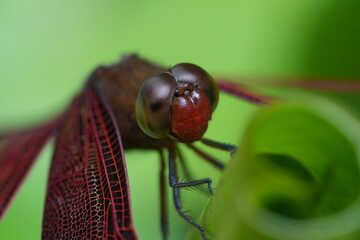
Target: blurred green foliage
column 48, row 48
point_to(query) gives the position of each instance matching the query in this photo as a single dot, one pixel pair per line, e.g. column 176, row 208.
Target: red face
column 177, row 104
column 190, row 113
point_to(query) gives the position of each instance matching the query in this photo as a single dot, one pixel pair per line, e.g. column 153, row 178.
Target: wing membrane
column 240, row 91
column 18, row 152
column 346, row 85
column 88, row 194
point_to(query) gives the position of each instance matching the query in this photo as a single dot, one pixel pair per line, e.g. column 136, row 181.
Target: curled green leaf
column 296, row 176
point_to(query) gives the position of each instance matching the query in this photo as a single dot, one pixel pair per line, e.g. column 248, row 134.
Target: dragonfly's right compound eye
column 153, row 105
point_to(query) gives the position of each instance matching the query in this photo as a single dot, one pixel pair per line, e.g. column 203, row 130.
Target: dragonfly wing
column 240, row 91
column 18, row 152
column 88, row 192
column 349, row 88
column 339, row 85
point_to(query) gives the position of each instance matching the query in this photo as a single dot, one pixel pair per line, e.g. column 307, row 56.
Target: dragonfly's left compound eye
column 177, row 104
column 153, row 105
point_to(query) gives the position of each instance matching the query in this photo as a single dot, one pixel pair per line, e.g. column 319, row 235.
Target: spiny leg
column 183, row 164
column 173, row 181
column 163, row 198
column 222, row 146
column 207, row 157
column 186, row 170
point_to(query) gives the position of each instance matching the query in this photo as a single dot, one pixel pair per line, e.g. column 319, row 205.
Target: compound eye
column 199, row 78
column 153, row 105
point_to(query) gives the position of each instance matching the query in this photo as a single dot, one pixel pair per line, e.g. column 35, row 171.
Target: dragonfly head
column 177, row 104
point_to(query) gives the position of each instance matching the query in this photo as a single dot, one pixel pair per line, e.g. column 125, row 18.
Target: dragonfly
column 131, row 104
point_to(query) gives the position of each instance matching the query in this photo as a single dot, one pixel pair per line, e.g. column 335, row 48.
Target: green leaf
column 296, row 176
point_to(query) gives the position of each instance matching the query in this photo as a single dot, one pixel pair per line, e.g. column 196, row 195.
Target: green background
column 48, row 48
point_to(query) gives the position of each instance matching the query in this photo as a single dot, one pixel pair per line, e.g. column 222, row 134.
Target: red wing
column 18, row 152
column 88, row 193
column 331, row 85
column 321, row 85
column 240, row 91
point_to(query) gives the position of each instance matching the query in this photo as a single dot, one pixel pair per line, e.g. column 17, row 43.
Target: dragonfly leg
column 214, row 144
column 186, row 170
column 163, row 198
column 222, row 146
column 183, row 164
column 207, row 157
column 176, row 185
